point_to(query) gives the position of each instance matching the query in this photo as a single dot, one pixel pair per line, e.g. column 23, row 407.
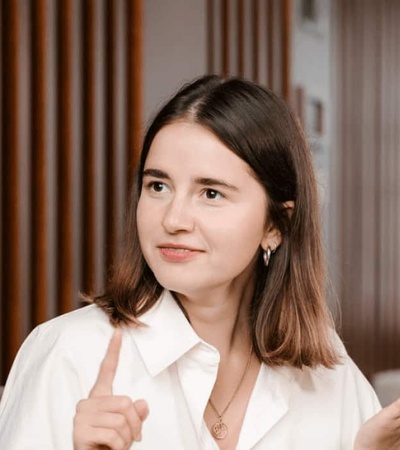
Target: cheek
column 241, row 236
column 142, row 220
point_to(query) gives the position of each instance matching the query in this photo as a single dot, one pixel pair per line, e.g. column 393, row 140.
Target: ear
column 289, row 206
column 272, row 237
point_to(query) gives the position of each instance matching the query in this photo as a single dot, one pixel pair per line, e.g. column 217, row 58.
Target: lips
column 177, row 253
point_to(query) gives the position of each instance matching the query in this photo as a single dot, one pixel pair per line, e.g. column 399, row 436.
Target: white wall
column 174, row 49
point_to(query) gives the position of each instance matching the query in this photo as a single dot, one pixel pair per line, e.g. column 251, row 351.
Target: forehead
column 196, row 149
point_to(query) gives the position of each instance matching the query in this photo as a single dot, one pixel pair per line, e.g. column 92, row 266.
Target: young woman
column 223, row 336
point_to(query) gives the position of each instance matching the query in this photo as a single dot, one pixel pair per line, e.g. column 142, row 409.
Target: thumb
column 141, row 408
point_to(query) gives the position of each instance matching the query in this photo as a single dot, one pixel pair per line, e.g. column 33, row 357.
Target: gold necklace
column 220, row 430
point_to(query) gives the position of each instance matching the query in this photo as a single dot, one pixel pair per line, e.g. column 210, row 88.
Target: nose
column 178, row 216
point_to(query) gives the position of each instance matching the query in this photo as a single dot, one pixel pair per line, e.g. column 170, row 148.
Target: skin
column 104, row 420
column 381, row 432
column 222, row 221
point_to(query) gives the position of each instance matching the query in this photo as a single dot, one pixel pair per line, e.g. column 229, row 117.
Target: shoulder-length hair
column 290, row 321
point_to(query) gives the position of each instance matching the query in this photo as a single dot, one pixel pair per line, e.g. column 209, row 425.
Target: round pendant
column 219, row 430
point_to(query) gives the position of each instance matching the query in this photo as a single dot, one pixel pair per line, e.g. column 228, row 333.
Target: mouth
column 177, row 253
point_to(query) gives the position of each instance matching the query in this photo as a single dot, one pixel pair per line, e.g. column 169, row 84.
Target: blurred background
column 80, row 80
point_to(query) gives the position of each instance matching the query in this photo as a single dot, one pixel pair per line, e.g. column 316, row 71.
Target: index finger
column 108, row 367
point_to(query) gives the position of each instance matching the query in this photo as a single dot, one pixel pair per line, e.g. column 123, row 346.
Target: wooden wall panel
column 270, row 42
column 93, row 143
column 225, row 37
column 15, row 177
column 68, row 136
column 116, row 126
column 234, row 32
column 240, row 38
column 255, row 39
column 286, row 47
column 368, row 117
column 2, row 334
column 134, row 57
column 40, row 162
column 71, row 92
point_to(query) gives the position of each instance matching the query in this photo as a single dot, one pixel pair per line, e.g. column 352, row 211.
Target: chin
column 180, row 285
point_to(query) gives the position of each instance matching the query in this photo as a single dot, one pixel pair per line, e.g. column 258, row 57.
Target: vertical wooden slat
column 381, row 181
column 89, row 145
column 357, row 160
column 286, row 48
column 344, row 89
column 67, row 186
column 93, row 139
column 116, row 131
column 393, row 200
column 225, row 37
column 270, row 44
column 363, row 311
column 377, row 160
column 2, row 280
column 15, row 176
column 240, row 37
column 111, row 149
column 397, row 146
column 256, row 37
column 51, row 157
column 11, row 239
column 40, row 198
column 135, row 84
column 210, row 36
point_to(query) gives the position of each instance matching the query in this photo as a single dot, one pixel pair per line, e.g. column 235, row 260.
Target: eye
column 157, row 186
column 212, row 194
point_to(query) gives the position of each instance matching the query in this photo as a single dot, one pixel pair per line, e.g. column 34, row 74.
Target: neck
column 221, row 317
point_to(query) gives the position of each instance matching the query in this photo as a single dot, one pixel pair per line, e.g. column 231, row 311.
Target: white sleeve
column 359, row 400
column 40, row 396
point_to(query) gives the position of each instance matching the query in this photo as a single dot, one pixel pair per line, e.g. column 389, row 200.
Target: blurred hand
column 382, row 431
column 104, row 420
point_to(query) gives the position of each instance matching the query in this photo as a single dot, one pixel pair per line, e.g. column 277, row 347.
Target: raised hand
column 382, row 431
column 104, row 420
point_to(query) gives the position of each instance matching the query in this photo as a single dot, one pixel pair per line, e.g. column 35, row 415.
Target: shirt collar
column 269, row 402
column 166, row 336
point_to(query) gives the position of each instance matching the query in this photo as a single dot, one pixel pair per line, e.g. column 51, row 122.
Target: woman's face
column 201, row 214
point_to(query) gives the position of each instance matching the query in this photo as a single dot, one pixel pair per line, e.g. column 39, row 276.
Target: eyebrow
column 204, row 181
column 155, row 173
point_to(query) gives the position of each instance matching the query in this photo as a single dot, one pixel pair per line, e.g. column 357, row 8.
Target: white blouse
column 167, row 364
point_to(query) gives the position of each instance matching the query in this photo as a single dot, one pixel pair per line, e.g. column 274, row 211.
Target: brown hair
column 290, row 321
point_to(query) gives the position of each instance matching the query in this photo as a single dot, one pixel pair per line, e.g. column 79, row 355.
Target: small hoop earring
column 267, row 256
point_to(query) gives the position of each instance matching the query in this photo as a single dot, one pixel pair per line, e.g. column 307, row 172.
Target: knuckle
column 80, row 406
column 125, row 402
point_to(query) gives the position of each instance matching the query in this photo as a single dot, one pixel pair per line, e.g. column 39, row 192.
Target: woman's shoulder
column 77, row 323
column 89, row 317
column 86, row 327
